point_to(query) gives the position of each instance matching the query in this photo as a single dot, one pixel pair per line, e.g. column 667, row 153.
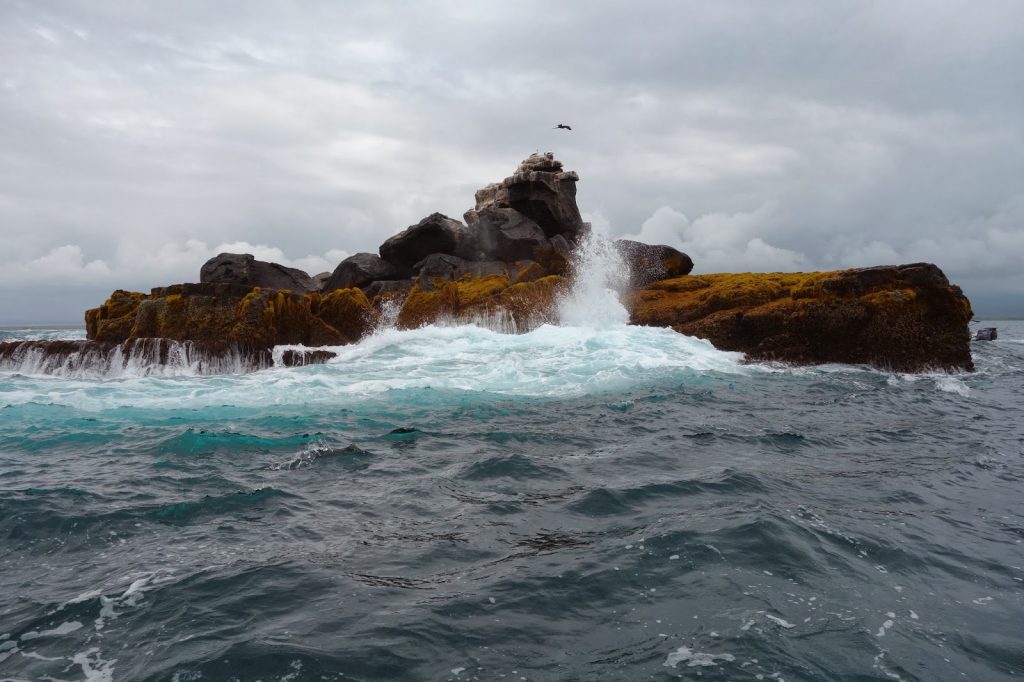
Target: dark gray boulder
column 243, row 268
column 987, row 334
column 360, row 270
column 923, row 275
column 505, row 234
column 651, row 262
column 437, row 233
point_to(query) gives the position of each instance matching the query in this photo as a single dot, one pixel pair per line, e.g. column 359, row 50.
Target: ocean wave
column 549, row 362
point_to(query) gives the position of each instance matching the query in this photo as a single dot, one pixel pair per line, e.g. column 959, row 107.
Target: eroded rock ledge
column 506, row 266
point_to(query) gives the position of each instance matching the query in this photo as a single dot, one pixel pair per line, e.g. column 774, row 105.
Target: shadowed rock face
column 359, row 271
column 436, row 269
column 244, row 269
column 505, row 234
column 901, row 318
column 541, row 191
column 437, row 233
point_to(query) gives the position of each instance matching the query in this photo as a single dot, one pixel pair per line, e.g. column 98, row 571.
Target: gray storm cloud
column 138, row 139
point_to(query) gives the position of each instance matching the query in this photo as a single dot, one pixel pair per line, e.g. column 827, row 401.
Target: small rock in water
column 987, row 334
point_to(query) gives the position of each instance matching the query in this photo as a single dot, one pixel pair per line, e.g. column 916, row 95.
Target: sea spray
column 599, row 276
column 416, row 366
column 81, row 359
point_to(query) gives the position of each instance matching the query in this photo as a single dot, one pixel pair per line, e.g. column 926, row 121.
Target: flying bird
column 563, row 126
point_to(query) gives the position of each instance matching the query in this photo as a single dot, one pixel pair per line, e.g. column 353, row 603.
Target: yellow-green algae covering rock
column 221, row 315
column 900, row 318
column 527, row 304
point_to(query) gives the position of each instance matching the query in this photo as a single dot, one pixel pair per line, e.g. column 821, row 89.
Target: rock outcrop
column 899, row 318
column 437, row 233
column 232, row 316
column 541, row 191
column 507, row 266
column 902, row 318
column 245, row 270
column 649, row 262
column 523, row 228
column 505, row 234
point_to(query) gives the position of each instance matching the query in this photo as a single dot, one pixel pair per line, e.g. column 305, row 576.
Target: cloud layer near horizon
column 138, row 139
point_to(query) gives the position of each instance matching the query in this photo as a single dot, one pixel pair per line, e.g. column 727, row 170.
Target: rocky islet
column 509, row 262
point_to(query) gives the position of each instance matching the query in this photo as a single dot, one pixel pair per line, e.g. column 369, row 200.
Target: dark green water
column 568, row 504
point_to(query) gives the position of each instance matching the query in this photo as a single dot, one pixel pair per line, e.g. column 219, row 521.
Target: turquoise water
column 574, row 503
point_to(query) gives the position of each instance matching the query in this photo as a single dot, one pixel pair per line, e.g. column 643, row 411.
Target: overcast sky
column 137, row 139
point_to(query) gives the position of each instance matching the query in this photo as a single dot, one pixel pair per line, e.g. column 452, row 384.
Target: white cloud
column 60, row 264
column 722, row 242
column 773, row 136
column 134, row 268
column 665, row 226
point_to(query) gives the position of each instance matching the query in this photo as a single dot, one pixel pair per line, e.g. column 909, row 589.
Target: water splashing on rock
column 600, row 275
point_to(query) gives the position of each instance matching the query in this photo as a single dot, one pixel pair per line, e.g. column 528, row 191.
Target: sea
column 583, row 501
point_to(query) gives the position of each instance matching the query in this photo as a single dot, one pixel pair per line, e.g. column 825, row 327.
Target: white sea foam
column 694, row 659
column 599, row 277
column 62, row 629
column 549, row 361
column 140, row 358
column 94, row 667
column 951, row 384
column 779, row 621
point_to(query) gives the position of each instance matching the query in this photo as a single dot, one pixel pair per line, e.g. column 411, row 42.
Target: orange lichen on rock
column 902, row 318
column 527, row 303
column 347, row 311
column 110, row 319
column 532, row 304
column 231, row 315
